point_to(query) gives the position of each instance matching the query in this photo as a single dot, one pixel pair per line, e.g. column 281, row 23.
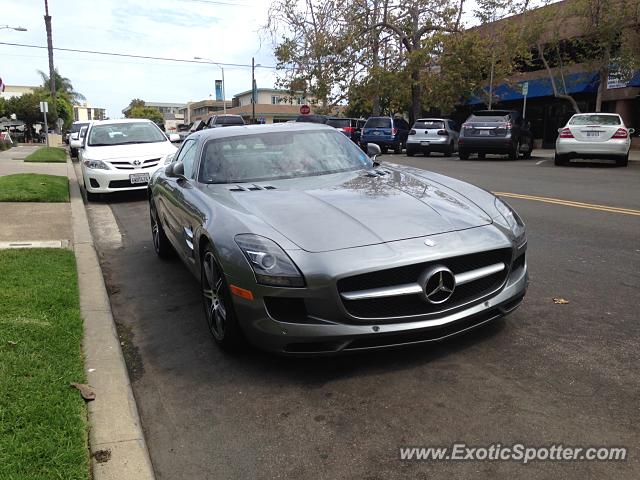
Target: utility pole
column 253, row 90
column 52, row 76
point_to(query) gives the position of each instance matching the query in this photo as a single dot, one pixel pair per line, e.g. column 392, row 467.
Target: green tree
column 64, row 88
column 26, row 107
column 149, row 113
column 136, row 102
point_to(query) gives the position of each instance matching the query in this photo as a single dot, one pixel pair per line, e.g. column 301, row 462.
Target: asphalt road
column 549, row 373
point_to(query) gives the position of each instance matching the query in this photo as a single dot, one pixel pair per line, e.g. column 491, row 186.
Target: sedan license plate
column 485, row 132
column 139, row 178
column 376, row 133
column 424, row 144
column 593, row 134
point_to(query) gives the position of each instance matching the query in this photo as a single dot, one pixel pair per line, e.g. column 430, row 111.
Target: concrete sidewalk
column 18, row 218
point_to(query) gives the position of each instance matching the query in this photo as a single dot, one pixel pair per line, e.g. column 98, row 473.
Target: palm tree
column 63, row 87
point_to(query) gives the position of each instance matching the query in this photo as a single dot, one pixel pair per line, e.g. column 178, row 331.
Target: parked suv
column 216, row 121
column 312, row 118
column 351, row 127
column 433, row 135
column 386, row 132
column 74, row 138
column 495, row 131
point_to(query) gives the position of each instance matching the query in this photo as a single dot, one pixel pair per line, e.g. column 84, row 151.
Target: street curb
column 114, row 423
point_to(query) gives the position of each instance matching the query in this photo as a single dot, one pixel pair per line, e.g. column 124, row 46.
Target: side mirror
column 174, row 137
column 632, row 131
column 373, row 150
column 174, row 170
column 75, row 136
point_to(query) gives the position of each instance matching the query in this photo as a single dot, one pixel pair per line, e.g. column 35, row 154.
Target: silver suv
column 433, row 135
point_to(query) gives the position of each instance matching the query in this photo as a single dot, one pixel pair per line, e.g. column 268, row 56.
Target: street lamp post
column 17, row 29
column 224, row 96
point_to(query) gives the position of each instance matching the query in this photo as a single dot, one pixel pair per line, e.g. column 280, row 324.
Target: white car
column 594, row 135
column 75, row 140
column 119, row 155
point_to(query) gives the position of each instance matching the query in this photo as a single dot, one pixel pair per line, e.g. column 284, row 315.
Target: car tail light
column 348, row 129
column 566, row 133
column 394, row 131
column 412, row 132
column 620, row 133
column 505, row 126
column 441, row 132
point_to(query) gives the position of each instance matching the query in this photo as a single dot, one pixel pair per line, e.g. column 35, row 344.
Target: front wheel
column 410, row 152
column 463, row 155
column 218, row 307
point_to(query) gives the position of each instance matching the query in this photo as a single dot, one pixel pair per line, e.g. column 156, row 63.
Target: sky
column 161, row 28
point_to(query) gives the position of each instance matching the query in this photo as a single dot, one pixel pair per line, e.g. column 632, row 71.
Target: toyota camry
column 305, row 245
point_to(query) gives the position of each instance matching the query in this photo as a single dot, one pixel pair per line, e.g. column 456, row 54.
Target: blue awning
column 583, row 82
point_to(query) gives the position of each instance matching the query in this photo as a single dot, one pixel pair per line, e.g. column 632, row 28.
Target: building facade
column 11, row 91
column 580, row 80
column 85, row 113
column 201, row 110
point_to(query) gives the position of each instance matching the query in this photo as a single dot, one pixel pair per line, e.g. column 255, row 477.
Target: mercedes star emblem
column 438, row 284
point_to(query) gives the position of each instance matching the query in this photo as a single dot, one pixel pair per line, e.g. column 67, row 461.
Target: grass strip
column 43, row 427
column 48, row 155
column 34, row 187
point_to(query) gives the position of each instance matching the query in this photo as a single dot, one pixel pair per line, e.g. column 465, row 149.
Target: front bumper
column 327, row 328
column 570, row 147
column 109, row 181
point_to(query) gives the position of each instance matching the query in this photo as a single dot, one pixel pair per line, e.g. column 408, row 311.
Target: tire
column 92, row 197
column 514, row 153
column 384, row 150
column 410, row 152
column 427, row 153
column 463, row 155
column 73, row 152
column 482, row 156
column 623, row 162
column 560, row 160
column 218, row 306
column 527, row 155
column 397, row 148
column 449, row 151
column 161, row 243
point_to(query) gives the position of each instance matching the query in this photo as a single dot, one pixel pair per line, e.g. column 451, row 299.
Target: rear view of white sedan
column 119, row 155
column 594, row 135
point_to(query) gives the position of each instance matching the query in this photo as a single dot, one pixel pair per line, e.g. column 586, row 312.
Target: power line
column 114, row 54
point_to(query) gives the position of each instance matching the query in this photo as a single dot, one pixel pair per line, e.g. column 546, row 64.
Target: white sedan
column 594, row 135
column 119, row 155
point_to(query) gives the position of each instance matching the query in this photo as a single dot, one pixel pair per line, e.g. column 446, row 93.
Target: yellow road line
column 570, row 203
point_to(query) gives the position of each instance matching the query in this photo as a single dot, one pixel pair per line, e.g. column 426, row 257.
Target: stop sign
column 305, row 109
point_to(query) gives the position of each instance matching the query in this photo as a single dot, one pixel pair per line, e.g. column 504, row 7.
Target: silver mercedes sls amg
column 305, row 245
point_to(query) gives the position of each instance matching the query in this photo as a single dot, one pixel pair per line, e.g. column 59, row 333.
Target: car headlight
column 511, row 220
column 96, row 164
column 270, row 264
column 168, row 159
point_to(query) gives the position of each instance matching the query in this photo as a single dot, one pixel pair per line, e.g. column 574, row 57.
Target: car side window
column 187, row 156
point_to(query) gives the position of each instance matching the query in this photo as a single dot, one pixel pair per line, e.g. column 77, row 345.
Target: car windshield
column 595, row 120
column 77, row 126
column 125, row 133
column 339, row 122
column 429, row 124
column 379, row 122
column 229, row 121
column 279, row 155
column 488, row 118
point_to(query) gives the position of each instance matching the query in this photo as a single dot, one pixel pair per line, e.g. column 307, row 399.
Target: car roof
column 432, row 119
column 121, row 120
column 489, row 113
column 595, row 113
column 240, row 130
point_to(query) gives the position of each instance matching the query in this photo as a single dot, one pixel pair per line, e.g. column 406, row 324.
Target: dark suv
column 502, row 132
column 351, row 127
column 386, row 132
column 216, row 121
